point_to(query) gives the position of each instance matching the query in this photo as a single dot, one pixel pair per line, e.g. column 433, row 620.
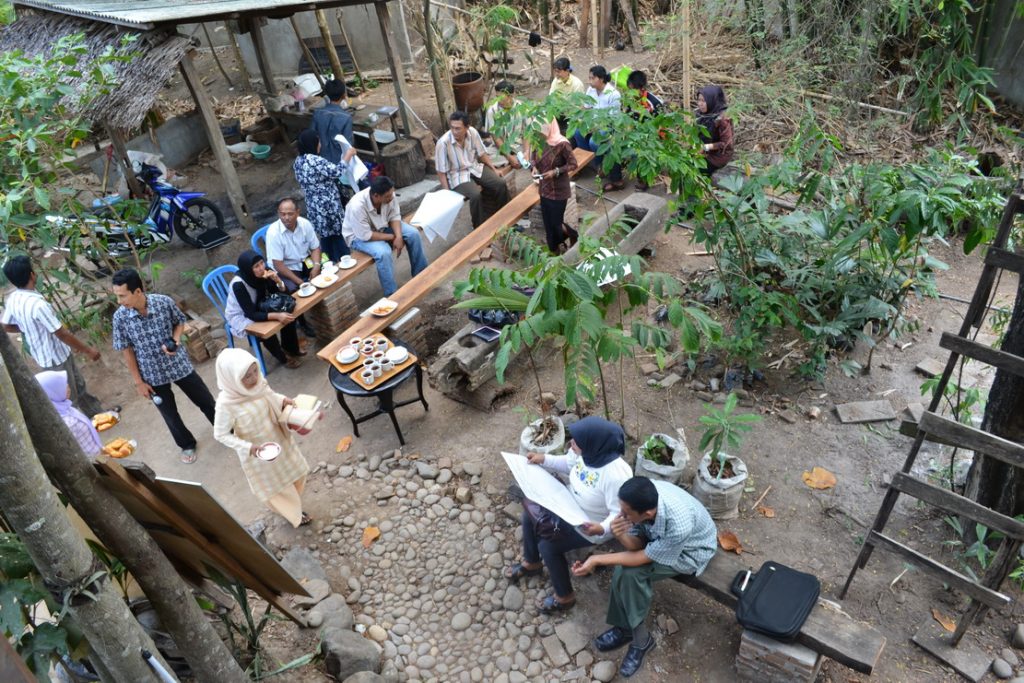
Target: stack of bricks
column 411, row 328
column 197, row 336
column 334, row 314
column 765, row 660
column 572, row 215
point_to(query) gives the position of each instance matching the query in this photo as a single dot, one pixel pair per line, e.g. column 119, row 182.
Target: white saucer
column 310, row 293
column 352, row 354
column 346, row 265
column 397, row 354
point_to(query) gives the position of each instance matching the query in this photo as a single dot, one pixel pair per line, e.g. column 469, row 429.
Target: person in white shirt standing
column 49, row 341
column 464, row 166
column 373, row 225
column 604, row 96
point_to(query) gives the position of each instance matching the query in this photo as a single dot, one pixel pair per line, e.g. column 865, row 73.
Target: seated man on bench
column 666, row 532
column 464, row 166
column 373, row 225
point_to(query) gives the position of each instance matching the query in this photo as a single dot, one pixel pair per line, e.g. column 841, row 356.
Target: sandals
column 306, row 519
column 293, row 362
column 188, row 455
column 518, row 571
column 612, row 185
column 551, row 604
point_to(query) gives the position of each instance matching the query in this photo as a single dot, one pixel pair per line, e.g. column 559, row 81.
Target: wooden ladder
column 984, row 593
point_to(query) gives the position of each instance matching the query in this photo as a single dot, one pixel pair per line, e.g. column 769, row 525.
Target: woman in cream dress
column 250, row 414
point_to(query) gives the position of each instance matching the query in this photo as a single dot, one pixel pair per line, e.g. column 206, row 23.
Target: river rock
column 1018, row 637
column 1001, row 668
column 318, row 589
column 1010, row 656
column 513, row 599
column 347, row 653
column 461, row 621
column 366, row 677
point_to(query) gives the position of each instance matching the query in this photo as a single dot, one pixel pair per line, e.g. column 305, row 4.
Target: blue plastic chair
column 259, row 241
column 215, row 286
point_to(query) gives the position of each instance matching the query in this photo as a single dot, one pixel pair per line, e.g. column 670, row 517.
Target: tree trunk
column 435, row 72
column 63, row 559
column 62, row 457
column 990, row 482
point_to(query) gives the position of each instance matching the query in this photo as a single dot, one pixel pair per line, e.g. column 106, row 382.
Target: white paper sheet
column 602, row 254
column 356, row 168
column 437, row 212
column 542, row 487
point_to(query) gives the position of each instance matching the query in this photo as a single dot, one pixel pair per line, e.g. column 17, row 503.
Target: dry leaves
column 344, row 444
column 945, row 621
column 766, row 511
column 819, row 478
column 729, row 542
column 370, row 534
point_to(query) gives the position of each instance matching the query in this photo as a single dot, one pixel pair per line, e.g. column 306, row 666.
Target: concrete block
column 463, row 363
column 649, row 213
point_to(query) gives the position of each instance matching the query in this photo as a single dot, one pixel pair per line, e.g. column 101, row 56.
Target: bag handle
column 740, row 581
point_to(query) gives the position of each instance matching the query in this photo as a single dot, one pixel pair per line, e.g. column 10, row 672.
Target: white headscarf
column 232, row 364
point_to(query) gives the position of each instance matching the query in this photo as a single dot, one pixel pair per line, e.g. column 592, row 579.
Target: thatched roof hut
column 155, row 57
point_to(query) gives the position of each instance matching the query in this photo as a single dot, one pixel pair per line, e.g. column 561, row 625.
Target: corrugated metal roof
column 152, row 13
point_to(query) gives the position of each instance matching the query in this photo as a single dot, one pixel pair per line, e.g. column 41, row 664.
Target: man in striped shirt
column 49, row 342
column 464, row 166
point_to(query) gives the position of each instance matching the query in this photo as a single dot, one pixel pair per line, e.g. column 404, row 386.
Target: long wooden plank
column 964, row 436
column 441, row 268
column 986, row 354
column 949, row 576
column 957, row 504
column 828, row 630
column 1007, row 260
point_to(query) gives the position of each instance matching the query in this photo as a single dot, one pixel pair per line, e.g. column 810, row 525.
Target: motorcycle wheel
column 199, row 216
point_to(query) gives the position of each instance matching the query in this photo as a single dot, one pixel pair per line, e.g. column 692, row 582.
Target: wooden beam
column 220, row 151
column 394, row 62
column 313, row 64
column 634, row 33
column 442, row 268
column 260, row 46
column 956, row 504
column 1007, row 260
column 121, row 150
column 243, row 72
column 332, row 53
column 687, row 84
column 964, row 436
column 986, row 354
column 340, row 16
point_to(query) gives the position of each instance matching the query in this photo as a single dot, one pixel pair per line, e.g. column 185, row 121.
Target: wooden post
column 220, row 152
column 340, row 15
column 634, row 33
column 606, row 20
column 121, row 150
column 332, row 54
column 313, row 64
column 584, row 21
column 595, row 27
column 261, row 58
column 435, row 73
column 242, row 71
column 687, row 85
column 397, row 69
column 213, row 51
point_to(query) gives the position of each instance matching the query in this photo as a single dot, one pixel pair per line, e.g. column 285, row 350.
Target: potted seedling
column 545, row 435
column 662, row 457
column 718, row 483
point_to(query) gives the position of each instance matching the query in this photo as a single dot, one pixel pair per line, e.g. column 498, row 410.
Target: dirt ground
column 816, row 531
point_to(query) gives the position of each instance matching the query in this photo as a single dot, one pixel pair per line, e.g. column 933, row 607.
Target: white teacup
column 386, row 365
column 368, row 376
column 307, row 288
column 378, row 370
column 355, row 342
column 346, row 261
column 382, row 344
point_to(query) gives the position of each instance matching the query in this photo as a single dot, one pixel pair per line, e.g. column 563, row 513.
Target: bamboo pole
column 722, row 78
column 595, row 25
column 260, row 47
column 121, row 150
column 242, row 70
column 435, row 75
column 634, row 32
column 394, row 62
column 332, row 54
column 584, row 21
column 313, row 64
column 687, row 84
column 213, row 51
column 340, row 14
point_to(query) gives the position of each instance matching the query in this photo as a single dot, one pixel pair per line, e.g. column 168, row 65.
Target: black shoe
column 635, row 658
column 613, row 639
column 308, row 330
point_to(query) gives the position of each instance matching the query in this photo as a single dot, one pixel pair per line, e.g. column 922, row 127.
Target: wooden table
column 367, row 121
column 303, row 304
column 442, row 268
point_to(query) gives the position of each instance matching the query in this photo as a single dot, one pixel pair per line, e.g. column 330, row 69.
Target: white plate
column 262, row 455
column 345, row 265
column 323, row 280
column 311, row 292
column 348, row 355
column 383, row 303
column 397, row 354
column 329, row 270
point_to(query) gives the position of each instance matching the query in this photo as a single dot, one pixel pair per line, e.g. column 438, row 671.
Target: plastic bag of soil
column 720, row 496
column 672, row 473
column 550, row 439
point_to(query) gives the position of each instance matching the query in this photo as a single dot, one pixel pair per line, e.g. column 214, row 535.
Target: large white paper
column 356, row 168
column 602, row 254
column 437, row 212
column 542, row 487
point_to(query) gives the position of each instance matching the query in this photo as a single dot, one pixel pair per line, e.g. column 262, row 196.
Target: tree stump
column 404, row 162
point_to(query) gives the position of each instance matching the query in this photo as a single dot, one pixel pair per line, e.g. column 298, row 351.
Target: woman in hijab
column 319, row 180
column 249, row 288
column 250, row 414
column 596, row 470
column 55, row 384
column 716, row 128
column 555, row 164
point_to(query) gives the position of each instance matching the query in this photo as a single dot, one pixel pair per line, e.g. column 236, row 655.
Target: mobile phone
column 488, row 334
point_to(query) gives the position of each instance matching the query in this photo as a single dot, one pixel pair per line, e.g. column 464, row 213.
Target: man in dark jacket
column 331, row 120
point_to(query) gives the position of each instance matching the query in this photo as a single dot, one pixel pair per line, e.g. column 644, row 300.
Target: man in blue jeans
column 373, row 225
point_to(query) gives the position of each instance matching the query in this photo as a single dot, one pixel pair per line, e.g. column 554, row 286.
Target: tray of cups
column 381, row 367
column 362, row 349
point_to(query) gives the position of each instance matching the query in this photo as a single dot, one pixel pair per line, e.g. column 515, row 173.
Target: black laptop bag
column 775, row 600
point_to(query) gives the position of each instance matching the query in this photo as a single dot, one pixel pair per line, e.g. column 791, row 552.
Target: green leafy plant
column 656, row 450
column 115, row 568
column 723, row 428
column 978, row 552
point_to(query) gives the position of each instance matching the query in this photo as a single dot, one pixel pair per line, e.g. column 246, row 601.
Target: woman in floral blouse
column 555, row 163
column 319, row 180
column 596, row 470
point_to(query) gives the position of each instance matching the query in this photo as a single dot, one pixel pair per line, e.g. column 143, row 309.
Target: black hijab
column 246, row 261
column 714, row 96
column 308, row 141
column 600, row 441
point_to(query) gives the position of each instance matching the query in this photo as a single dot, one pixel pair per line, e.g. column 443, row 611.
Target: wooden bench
column 441, row 269
column 828, row 630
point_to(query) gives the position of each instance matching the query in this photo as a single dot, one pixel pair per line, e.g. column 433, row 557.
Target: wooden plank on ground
column 441, row 268
column 964, row 436
column 957, row 504
column 985, row 354
column 865, row 411
column 949, row 576
column 828, row 629
column 969, row 660
column 931, row 367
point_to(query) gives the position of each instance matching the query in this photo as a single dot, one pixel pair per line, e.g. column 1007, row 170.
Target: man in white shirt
column 48, row 341
column 464, row 166
column 604, row 96
column 373, row 225
column 505, row 101
column 293, row 248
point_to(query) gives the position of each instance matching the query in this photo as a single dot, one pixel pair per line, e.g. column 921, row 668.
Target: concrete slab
column 649, row 212
column 865, row 411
